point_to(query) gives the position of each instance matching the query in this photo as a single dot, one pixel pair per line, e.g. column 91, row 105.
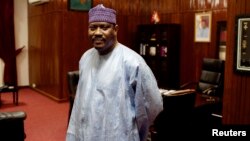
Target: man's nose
column 98, row 31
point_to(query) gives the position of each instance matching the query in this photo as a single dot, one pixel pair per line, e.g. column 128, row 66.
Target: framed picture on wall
column 242, row 50
column 80, row 5
column 202, row 27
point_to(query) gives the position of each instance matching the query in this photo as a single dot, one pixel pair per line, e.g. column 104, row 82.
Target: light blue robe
column 203, row 32
column 117, row 98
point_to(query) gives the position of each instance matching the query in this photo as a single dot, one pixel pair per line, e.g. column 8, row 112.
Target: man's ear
column 116, row 27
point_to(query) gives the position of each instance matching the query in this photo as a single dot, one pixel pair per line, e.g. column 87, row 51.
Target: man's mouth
column 98, row 41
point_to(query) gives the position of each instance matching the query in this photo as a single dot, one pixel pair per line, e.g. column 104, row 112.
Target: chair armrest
column 16, row 115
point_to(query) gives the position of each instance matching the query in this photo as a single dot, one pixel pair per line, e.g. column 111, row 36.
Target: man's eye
column 104, row 28
column 92, row 28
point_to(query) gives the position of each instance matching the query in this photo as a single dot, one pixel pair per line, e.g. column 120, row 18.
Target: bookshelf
column 159, row 45
column 221, row 39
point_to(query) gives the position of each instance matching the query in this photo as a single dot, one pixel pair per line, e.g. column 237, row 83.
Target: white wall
column 21, row 39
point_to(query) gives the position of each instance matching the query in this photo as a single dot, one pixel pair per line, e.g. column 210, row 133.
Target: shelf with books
column 159, row 45
column 221, row 39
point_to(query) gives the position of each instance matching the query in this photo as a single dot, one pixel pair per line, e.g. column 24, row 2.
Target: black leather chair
column 178, row 120
column 209, row 94
column 12, row 126
column 73, row 77
column 211, row 82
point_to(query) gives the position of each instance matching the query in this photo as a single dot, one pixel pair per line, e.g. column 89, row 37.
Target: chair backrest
column 73, row 77
column 12, row 126
column 212, row 77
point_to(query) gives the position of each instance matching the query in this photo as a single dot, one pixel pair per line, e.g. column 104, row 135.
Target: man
column 117, row 97
column 203, row 29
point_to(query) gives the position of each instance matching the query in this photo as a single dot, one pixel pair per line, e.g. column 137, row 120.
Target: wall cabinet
column 159, row 44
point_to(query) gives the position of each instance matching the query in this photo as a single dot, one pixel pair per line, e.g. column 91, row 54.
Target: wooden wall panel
column 34, row 49
column 141, row 7
column 74, row 30
column 58, row 38
column 203, row 5
column 45, row 35
column 192, row 52
column 187, row 52
column 219, row 4
column 236, row 100
column 52, row 6
column 51, row 54
column 74, row 43
column 228, row 111
column 45, row 48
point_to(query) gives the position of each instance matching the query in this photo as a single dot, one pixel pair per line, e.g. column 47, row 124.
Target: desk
column 185, row 114
column 179, row 101
column 207, row 112
column 205, row 107
column 212, row 104
column 202, row 100
column 175, row 119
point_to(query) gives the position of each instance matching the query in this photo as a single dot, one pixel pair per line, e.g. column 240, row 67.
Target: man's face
column 103, row 35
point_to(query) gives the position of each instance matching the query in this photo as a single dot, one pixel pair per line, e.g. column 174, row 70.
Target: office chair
column 73, row 77
column 209, row 93
column 211, row 82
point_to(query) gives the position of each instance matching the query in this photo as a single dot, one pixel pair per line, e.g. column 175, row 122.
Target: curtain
column 7, row 41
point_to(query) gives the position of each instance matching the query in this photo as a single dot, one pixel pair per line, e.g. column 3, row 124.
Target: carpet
column 46, row 119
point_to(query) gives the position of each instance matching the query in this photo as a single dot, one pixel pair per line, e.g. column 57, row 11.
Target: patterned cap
column 102, row 14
